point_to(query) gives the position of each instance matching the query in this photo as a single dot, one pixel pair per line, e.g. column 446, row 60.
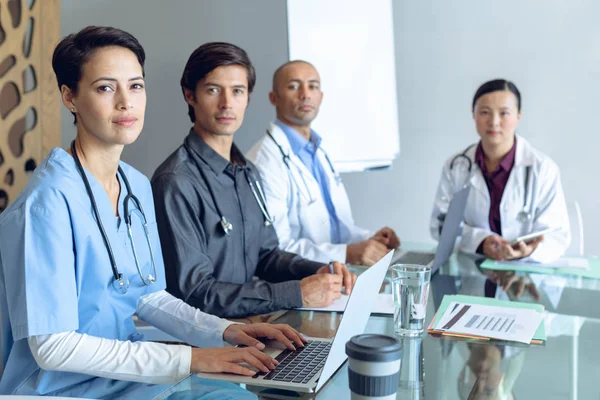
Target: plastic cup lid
column 374, row 347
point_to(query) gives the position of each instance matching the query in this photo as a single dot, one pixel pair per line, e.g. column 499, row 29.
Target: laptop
column 308, row 369
column 450, row 231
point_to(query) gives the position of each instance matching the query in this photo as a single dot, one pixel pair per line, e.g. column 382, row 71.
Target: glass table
column 567, row 366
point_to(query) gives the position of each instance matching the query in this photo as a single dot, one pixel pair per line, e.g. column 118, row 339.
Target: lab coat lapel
column 295, row 163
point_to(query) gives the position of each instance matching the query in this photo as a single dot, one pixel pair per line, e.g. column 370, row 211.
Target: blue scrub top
column 55, row 275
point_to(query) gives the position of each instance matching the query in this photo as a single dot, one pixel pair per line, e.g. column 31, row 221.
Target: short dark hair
column 74, row 50
column 210, row 56
column 497, row 85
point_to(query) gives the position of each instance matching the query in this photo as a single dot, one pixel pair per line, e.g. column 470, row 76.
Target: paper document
column 494, row 322
column 383, row 305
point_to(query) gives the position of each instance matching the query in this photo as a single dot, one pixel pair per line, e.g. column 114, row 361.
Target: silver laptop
column 308, row 369
column 450, row 230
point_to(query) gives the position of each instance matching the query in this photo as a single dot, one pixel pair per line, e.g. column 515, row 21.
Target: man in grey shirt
column 213, row 221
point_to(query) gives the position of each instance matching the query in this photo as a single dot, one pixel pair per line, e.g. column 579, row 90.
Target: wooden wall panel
column 29, row 98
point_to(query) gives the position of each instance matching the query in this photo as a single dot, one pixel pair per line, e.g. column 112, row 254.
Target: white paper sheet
column 383, row 305
column 503, row 323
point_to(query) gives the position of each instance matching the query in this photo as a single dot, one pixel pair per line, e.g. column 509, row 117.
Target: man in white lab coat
column 305, row 195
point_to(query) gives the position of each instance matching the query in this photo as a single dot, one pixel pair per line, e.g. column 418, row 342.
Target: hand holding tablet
column 534, row 235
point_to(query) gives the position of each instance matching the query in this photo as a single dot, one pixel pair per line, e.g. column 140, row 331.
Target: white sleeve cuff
column 144, row 362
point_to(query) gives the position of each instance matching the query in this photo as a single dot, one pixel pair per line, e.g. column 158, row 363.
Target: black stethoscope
column 255, row 187
column 286, row 160
column 525, row 215
column 119, row 281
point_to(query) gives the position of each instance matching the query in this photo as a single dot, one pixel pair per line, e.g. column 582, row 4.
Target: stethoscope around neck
column 255, row 188
column 525, row 215
column 119, row 281
column 286, row 160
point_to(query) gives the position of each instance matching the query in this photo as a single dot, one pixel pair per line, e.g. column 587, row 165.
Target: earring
column 72, row 110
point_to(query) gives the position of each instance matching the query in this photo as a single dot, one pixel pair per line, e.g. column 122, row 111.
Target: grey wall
column 170, row 31
column 444, row 50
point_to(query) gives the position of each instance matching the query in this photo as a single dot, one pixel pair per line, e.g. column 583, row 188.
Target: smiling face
column 297, row 94
column 110, row 101
column 220, row 100
column 496, row 116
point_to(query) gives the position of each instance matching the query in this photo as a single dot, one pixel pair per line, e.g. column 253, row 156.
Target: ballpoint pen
column 331, row 271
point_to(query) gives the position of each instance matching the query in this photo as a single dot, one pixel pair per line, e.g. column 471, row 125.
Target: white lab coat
column 547, row 200
column 300, row 215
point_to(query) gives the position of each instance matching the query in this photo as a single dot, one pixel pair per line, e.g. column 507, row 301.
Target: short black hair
column 74, row 50
column 497, row 85
column 208, row 57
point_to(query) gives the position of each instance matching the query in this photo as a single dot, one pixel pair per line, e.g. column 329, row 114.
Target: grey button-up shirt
column 205, row 267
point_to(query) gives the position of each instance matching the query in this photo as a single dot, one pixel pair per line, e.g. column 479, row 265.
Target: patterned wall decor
column 29, row 97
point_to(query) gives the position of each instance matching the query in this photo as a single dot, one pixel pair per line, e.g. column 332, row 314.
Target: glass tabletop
column 565, row 367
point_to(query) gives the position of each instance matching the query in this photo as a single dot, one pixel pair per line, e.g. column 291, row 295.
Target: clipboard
column 539, row 337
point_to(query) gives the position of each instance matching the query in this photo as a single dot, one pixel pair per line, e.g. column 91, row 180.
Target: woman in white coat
column 516, row 189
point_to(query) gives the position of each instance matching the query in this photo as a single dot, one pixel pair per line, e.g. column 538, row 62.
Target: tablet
column 534, row 235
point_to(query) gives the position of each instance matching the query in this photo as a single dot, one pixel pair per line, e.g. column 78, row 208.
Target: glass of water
column 410, row 287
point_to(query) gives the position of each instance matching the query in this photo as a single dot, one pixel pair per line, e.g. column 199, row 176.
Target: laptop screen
column 451, row 227
column 355, row 317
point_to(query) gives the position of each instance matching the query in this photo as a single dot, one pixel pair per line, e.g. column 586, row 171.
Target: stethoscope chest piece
column 524, row 216
column 120, row 285
column 226, row 225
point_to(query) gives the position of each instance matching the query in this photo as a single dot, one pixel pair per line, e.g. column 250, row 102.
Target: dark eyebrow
column 106, row 78
column 242, row 86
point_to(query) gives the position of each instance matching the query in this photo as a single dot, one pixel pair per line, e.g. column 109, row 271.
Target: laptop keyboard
column 299, row 366
column 412, row 257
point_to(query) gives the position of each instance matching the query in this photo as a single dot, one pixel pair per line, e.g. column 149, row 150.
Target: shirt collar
column 506, row 163
column 297, row 141
column 210, row 157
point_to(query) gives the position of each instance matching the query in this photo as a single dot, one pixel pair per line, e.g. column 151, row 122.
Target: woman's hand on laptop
column 227, row 359
column 242, row 334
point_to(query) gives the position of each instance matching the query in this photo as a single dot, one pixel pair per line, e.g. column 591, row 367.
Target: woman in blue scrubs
column 80, row 254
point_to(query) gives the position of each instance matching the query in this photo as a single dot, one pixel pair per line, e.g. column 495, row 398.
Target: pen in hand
column 331, row 271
